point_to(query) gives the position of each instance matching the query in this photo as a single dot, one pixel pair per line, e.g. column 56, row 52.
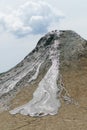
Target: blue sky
column 21, row 25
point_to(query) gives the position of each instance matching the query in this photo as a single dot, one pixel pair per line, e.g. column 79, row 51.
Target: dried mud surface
column 70, row 117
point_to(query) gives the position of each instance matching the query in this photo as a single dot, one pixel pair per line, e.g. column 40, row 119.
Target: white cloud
column 30, row 18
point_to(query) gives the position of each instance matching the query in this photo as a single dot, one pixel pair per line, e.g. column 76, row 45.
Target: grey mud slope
column 45, row 99
column 46, row 54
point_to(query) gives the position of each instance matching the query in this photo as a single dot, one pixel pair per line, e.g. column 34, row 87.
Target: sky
column 24, row 22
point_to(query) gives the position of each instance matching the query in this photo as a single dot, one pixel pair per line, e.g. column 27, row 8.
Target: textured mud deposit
column 66, row 46
column 45, row 100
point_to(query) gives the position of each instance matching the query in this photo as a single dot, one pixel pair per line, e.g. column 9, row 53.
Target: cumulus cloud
column 30, row 18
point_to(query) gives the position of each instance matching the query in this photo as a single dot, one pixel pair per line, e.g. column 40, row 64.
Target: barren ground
column 70, row 117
